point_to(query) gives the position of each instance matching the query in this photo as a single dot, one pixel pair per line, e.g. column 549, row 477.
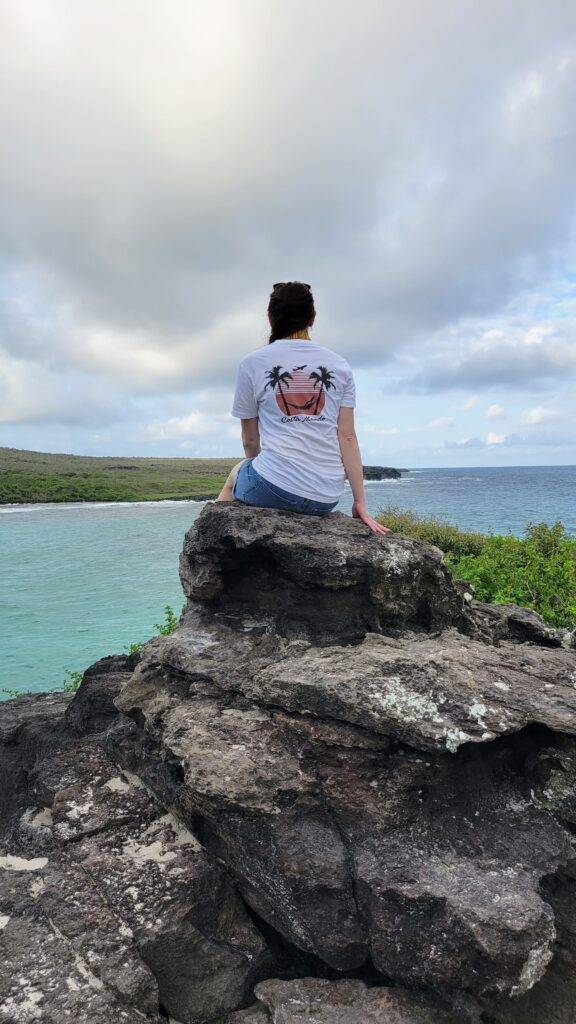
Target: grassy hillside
column 38, row 476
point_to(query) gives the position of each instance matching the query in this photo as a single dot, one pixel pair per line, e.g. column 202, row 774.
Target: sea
column 80, row 581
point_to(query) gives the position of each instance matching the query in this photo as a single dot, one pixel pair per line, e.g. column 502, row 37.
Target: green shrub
column 165, row 628
column 170, row 622
column 444, row 535
column 71, row 681
column 537, row 571
column 134, row 648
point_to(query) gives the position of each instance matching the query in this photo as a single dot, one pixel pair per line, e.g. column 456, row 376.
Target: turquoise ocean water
column 81, row 581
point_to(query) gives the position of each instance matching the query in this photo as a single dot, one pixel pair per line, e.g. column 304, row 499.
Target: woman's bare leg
column 226, row 492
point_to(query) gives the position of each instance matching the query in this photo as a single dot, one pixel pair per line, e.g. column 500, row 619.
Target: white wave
column 58, row 506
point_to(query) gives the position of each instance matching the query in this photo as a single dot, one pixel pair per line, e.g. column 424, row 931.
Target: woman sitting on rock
column 296, row 403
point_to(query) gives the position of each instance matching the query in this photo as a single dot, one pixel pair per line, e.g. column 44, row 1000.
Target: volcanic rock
column 340, row 1002
column 111, row 908
column 324, row 580
column 339, row 755
column 93, row 709
column 378, row 786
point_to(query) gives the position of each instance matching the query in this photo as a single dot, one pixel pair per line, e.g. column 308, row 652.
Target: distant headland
column 27, row 476
column 382, row 473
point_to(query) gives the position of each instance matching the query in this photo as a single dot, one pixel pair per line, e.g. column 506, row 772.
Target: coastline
column 103, row 503
column 180, row 499
column 7, row 507
column 45, row 478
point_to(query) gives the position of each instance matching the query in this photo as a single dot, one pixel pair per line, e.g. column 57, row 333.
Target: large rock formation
column 339, row 764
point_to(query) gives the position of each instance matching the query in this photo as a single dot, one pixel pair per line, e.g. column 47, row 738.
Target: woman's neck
column 300, row 334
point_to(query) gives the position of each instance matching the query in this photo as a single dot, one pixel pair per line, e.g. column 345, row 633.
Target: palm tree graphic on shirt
column 299, row 391
column 323, row 381
column 278, row 379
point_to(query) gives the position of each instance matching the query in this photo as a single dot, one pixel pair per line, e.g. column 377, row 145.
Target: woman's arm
column 251, row 437
column 353, row 467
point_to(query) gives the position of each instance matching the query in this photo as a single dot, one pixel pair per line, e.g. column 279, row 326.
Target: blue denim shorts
column 253, row 489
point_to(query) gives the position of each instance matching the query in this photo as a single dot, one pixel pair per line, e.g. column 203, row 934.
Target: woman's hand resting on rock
column 359, row 511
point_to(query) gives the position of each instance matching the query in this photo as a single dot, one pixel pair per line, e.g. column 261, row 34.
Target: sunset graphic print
column 300, row 391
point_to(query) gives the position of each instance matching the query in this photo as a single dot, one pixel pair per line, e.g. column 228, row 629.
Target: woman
column 296, row 403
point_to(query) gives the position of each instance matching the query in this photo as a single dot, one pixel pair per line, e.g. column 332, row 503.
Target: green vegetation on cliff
column 537, row 571
column 38, row 476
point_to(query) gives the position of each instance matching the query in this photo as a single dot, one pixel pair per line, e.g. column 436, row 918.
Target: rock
column 432, row 692
column 568, row 638
column 261, row 815
column 28, row 725
column 339, row 1002
column 255, row 1014
column 519, row 625
column 398, row 792
column 552, row 1000
column 331, row 841
column 92, row 709
column 277, row 572
column 381, row 473
column 112, row 908
column 340, row 756
column 65, row 959
column 179, row 907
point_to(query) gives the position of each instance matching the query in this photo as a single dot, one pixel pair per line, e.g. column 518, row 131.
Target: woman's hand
column 359, row 511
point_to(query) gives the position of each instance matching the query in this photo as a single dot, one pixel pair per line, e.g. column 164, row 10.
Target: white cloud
column 538, row 415
column 380, row 431
column 194, row 424
column 470, row 403
column 442, row 421
column 30, row 394
column 523, row 357
column 495, row 412
column 494, row 438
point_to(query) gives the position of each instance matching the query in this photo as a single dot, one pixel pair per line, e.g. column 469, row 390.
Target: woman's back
column 296, row 388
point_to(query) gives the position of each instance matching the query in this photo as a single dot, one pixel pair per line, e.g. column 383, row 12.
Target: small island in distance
column 382, row 473
column 27, row 476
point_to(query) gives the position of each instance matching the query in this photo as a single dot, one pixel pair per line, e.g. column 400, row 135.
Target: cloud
column 380, row 431
column 533, row 358
column 442, row 421
column 534, row 417
column 161, row 170
column 534, row 443
column 465, row 442
column 470, row 403
column 194, row 424
column 495, row 412
column 489, row 441
column 36, row 396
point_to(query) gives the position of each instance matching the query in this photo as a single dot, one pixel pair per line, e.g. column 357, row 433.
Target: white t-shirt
column 296, row 389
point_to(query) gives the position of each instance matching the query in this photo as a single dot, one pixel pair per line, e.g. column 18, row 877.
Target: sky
column 164, row 162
